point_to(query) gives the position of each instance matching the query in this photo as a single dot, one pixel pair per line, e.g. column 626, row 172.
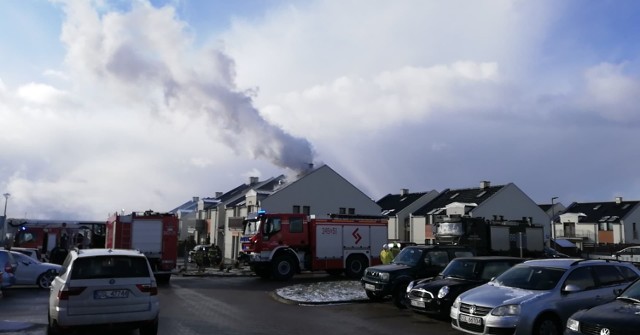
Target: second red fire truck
column 285, row 244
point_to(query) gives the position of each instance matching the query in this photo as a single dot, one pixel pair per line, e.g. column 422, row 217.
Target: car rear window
column 109, row 267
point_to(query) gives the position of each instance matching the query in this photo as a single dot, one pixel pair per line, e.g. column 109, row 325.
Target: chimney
column 404, row 191
column 219, row 194
column 253, row 180
column 618, row 200
column 195, row 199
column 310, row 166
column 484, row 184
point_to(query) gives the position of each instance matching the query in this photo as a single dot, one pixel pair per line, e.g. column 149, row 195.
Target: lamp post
column 4, row 217
column 553, row 217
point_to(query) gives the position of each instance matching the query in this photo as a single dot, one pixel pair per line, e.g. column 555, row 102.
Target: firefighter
column 385, row 254
column 395, row 249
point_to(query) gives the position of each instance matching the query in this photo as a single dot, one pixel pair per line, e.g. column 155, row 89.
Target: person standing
column 395, row 249
column 385, row 254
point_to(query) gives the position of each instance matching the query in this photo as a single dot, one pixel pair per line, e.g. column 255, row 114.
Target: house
column 186, row 214
column 501, row 202
column 598, row 223
column 321, row 191
column 398, row 208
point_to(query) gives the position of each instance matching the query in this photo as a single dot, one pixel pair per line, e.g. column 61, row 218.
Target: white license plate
column 471, row 320
column 417, row 303
column 369, row 287
column 111, row 294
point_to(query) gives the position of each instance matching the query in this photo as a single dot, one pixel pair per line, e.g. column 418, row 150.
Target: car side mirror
column 570, row 288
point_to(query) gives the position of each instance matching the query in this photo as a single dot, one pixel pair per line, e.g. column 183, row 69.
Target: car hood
column 493, row 295
column 618, row 314
column 436, row 284
column 389, row 267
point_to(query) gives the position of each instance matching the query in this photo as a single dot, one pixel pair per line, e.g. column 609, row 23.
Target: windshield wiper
column 634, row 300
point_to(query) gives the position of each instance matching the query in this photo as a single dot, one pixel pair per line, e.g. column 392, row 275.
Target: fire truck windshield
column 251, row 227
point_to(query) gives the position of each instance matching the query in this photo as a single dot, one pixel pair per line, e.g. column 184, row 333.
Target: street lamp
column 553, row 214
column 4, row 217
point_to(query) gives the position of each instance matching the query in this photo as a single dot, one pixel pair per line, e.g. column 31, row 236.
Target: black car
column 620, row 316
column 413, row 262
column 435, row 295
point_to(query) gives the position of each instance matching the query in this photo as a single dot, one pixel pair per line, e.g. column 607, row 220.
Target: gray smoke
column 147, row 56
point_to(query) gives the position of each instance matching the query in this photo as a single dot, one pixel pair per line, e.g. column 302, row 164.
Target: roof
column 475, row 195
column 564, row 263
column 564, row 243
column 108, row 252
column 394, row 203
column 611, row 211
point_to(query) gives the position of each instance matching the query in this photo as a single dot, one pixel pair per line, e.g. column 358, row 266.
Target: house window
column 352, row 211
column 306, row 210
column 296, row 209
column 295, row 225
column 342, row 210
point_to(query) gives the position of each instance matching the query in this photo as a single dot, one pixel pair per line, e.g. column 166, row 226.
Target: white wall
column 513, row 204
column 633, row 216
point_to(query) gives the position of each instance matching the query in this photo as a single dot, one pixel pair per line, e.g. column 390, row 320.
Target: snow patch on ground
column 324, row 292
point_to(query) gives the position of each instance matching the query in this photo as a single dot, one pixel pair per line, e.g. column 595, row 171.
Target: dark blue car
column 621, row 316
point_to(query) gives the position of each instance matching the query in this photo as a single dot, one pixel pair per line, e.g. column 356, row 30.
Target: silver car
column 538, row 296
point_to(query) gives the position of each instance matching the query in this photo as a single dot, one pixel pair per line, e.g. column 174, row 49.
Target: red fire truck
column 45, row 235
column 285, row 244
column 154, row 234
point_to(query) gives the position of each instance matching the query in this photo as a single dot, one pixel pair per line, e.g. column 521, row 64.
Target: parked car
column 617, row 317
column 31, row 271
column 106, row 289
column 435, row 295
column 9, row 266
column 538, row 296
column 413, row 262
column 31, row 252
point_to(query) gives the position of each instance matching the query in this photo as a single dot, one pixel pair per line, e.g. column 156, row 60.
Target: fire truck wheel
column 356, row 264
column 282, row 267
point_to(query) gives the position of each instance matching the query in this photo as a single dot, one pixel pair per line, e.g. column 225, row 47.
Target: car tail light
column 8, row 268
column 145, row 288
column 67, row 292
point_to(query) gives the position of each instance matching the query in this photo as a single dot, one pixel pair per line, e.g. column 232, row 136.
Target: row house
column 596, row 223
column 399, row 207
column 501, row 202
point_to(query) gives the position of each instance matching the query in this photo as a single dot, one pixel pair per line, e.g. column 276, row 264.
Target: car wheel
column 53, row 328
column 398, row 296
column 45, row 279
column 547, row 325
column 374, row 296
column 150, row 328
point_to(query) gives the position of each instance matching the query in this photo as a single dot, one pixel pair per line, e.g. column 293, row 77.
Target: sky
column 111, row 105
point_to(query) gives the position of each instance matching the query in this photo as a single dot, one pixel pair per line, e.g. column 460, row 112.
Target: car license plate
column 111, row 294
column 369, row 287
column 417, row 303
column 471, row 320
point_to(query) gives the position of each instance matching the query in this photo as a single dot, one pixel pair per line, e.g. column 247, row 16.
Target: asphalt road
column 236, row 305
